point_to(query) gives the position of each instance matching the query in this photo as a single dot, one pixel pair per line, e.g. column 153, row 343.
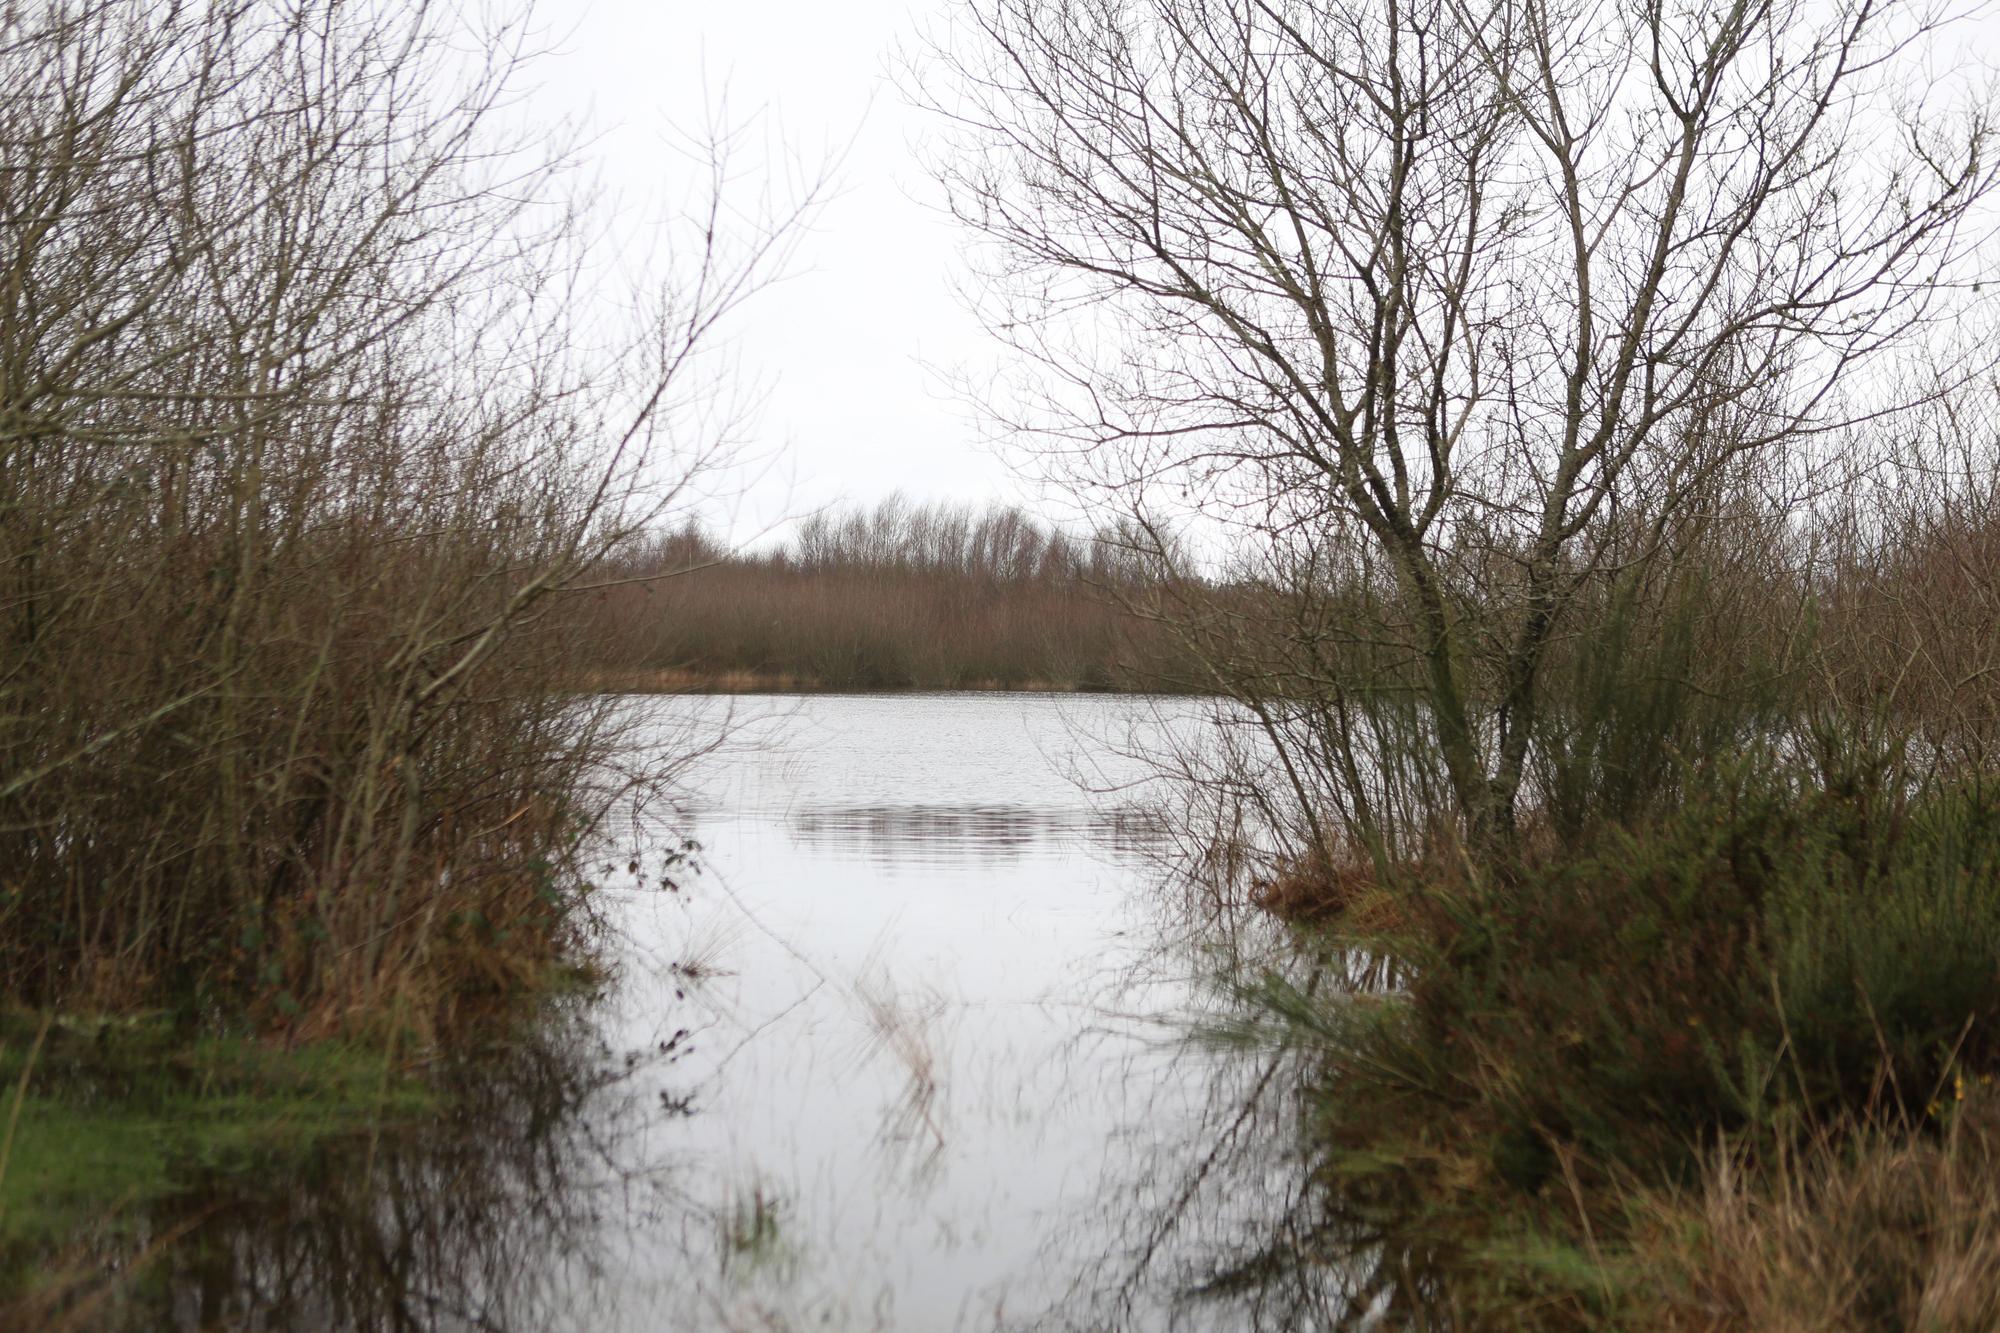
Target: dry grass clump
column 1890, row 1226
column 1316, row 888
column 905, row 1026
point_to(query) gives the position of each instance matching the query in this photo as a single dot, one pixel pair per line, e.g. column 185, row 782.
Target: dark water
column 909, row 1050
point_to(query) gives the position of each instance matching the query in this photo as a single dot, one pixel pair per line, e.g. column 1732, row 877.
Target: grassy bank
column 1728, row 1066
column 104, row 1119
column 160, row 1178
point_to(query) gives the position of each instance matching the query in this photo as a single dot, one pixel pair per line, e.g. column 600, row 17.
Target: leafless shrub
column 302, row 467
column 1907, row 570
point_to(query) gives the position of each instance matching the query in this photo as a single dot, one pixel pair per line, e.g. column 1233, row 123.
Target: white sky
column 851, row 412
column 851, row 353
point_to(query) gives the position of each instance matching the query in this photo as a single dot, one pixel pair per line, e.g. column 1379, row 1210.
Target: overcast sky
column 852, row 412
column 849, row 347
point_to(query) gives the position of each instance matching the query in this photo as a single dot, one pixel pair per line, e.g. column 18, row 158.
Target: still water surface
column 943, row 1030
column 902, row 1045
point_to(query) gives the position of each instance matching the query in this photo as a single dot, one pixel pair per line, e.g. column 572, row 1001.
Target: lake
column 902, row 1042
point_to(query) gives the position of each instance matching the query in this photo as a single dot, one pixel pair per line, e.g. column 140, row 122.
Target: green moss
column 114, row 1115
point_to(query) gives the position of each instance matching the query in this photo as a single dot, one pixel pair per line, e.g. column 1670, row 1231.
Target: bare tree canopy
column 1471, row 299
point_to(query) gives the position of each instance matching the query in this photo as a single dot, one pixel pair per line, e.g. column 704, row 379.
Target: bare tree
column 1461, row 306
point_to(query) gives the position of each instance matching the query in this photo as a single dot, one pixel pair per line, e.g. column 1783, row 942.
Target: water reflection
column 909, row 1053
column 1219, row 1221
column 923, row 834
column 481, row 1219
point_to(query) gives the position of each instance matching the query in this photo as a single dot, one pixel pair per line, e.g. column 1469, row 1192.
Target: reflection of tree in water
column 482, row 1219
column 1211, row 1213
column 969, row 833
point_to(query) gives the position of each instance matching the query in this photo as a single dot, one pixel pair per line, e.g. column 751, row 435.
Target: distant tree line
column 901, row 595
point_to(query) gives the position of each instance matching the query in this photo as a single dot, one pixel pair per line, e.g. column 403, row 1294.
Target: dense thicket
column 298, row 456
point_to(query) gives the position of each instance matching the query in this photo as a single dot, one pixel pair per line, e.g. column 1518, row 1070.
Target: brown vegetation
column 300, row 472
column 1883, row 1229
column 1308, row 891
column 901, row 596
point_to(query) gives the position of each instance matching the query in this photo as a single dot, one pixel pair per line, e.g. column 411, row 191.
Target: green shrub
column 1780, row 949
